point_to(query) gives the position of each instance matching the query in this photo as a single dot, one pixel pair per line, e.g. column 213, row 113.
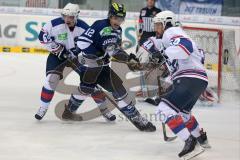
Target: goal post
column 222, row 63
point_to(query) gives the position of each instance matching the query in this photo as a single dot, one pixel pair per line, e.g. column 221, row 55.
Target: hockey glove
column 132, row 58
column 133, row 63
column 60, row 51
column 165, row 70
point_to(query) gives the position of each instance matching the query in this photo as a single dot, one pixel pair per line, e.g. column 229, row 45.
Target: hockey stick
column 165, row 137
column 115, row 104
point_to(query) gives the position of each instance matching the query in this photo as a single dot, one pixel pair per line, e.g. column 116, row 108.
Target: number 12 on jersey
column 89, row 32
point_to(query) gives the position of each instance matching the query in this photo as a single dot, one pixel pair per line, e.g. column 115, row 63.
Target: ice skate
column 190, row 149
column 142, row 124
column 41, row 112
column 109, row 116
column 203, row 140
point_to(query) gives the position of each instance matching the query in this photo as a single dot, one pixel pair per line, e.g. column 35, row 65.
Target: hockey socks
column 176, row 124
column 193, row 126
column 135, row 117
column 74, row 103
column 100, row 99
column 46, row 97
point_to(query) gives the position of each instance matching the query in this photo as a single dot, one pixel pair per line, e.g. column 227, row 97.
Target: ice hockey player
column 149, row 53
column 57, row 36
column 185, row 63
column 98, row 44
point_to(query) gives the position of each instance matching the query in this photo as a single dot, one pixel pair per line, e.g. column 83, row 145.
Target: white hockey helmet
column 71, row 10
column 165, row 17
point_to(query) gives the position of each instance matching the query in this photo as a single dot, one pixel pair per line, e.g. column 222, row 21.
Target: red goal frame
column 220, row 52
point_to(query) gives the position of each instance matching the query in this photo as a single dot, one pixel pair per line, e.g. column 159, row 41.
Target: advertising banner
column 201, row 7
column 22, row 30
column 172, row 5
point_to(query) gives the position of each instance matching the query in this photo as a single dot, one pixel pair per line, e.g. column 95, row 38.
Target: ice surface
column 24, row 138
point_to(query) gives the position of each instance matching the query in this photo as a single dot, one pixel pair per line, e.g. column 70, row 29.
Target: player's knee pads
column 164, row 111
column 52, row 81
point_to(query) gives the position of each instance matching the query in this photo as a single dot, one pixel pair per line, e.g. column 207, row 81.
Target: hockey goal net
column 221, row 59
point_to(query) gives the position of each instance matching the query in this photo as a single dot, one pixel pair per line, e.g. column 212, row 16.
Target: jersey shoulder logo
column 107, row 31
column 62, row 36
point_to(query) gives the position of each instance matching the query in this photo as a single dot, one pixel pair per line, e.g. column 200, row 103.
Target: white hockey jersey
column 185, row 58
column 57, row 32
column 152, row 46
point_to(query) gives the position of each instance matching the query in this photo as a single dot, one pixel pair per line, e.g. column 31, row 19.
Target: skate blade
column 206, row 146
column 196, row 152
column 109, row 121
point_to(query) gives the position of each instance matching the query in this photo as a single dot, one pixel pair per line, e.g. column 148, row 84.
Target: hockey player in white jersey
column 149, row 53
column 185, row 62
column 57, row 36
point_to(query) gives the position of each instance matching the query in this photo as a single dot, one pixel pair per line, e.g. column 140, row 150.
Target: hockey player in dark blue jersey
column 98, row 44
column 57, row 36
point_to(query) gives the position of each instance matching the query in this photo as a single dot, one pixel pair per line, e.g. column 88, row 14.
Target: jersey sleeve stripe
column 183, row 43
column 187, row 44
column 185, row 50
column 81, row 38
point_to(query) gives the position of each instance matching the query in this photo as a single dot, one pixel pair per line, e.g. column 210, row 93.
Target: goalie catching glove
column 133, row 62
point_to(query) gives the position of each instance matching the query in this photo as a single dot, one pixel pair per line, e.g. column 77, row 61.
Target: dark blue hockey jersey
column 96, row 39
